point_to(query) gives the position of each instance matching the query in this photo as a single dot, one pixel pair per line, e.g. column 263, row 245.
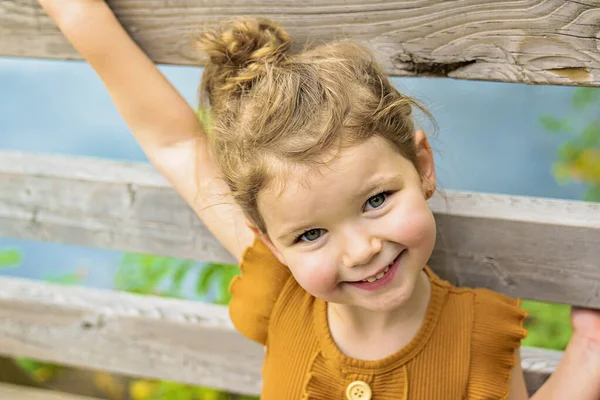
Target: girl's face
column 359, row 230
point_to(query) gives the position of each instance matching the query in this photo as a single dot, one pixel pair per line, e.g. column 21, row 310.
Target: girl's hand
column 577, row 375
column 586, row 328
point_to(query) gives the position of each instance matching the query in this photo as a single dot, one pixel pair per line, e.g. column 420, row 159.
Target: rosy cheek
column 418, row 227
column 322, row 279
column 316, row 276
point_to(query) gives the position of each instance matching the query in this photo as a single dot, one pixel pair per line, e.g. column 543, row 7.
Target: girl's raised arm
column 166, row 127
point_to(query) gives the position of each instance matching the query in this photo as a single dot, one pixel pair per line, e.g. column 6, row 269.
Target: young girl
column 330, row 219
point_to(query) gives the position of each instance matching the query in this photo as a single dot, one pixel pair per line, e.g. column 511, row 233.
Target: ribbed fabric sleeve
column 497, row 333
column 255, row 291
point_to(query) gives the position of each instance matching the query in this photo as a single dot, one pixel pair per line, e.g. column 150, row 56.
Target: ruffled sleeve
column 497, row 333
column 256, row 290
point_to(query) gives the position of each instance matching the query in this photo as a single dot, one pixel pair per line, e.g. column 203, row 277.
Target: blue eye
column 378, row 200
column 311, row 235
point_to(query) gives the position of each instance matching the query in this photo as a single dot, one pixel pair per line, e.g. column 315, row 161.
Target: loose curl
column 273, row 111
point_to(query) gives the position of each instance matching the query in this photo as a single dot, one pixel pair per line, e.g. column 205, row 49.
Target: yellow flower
column 141, row 390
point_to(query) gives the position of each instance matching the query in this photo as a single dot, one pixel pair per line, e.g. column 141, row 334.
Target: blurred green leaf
column 181, row 272
column 584, row 96
column 205, row 278
column 569, row 151
column 590, row 135
column 592, row 194
column 39, row 371
column 10, row 258
column 152, row 274
column 548, row 325
column 555, row 125
column 73, row 278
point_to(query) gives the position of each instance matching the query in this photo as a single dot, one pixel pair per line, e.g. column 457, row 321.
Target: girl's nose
column 360, row 249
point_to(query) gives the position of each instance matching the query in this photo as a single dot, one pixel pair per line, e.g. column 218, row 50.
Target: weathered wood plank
column 526, row 247
column 133, row 335
column 99, row 203
column 14, row 392
column 146, row 336
column 530, row 41
column 533, row 248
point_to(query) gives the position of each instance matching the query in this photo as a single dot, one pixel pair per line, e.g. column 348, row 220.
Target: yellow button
column 358, row 390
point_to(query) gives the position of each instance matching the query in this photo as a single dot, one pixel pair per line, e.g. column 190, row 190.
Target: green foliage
column 147, row 274
column 554, row 124
column 217, row 277
column 74, row 278
column 548, row 325
column 39, row 371
column 10, row 258
column 584, row 97
column 579, row 156
column 164, row 276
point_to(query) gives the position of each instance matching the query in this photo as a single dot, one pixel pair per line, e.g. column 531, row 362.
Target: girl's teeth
column 378, row 276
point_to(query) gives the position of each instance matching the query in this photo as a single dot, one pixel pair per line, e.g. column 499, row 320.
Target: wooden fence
column 533, row 248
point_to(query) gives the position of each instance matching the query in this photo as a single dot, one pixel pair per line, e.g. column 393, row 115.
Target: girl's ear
column 426, row 163
column 265, row 239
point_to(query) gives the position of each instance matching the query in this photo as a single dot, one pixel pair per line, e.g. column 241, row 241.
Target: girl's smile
column 380, row 279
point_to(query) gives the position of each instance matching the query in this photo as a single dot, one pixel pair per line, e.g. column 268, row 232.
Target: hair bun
column 239, row 51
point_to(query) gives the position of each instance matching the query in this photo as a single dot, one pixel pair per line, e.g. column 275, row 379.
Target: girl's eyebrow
column 379, row 183
column 293, row 232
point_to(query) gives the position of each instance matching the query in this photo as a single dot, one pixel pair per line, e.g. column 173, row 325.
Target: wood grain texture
column 14, row 392
column 529, row 41
column 123, row 333
column 146, row 336
column 533, row 248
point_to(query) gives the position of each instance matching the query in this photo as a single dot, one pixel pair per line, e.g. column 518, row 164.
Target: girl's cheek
column 416, row 228
column 316, row 276
column 322, row 279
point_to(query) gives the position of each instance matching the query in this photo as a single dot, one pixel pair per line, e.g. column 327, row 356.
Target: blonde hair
column 272, row 110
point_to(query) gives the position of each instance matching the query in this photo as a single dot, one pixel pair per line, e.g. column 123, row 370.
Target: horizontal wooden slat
column 146, row 336
column 133, row 335
column 14, row 392
column 526, row 247
column 99, row 203
column 530, row 41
